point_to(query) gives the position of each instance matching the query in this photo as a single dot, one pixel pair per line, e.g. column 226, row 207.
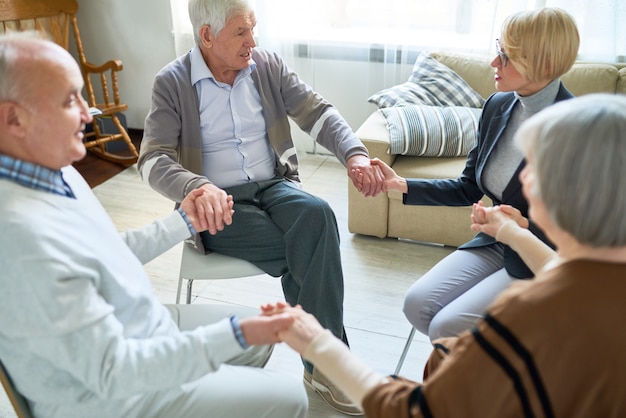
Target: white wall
column 345, row 84
column 139, row 32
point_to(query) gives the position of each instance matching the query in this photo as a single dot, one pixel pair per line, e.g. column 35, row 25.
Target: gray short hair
column 578, row 151
column 10, row 80
column 214, row 13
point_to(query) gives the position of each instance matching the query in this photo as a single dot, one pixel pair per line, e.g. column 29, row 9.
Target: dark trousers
column 288, row 232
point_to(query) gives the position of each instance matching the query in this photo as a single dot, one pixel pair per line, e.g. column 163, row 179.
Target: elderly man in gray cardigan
column 219, row 121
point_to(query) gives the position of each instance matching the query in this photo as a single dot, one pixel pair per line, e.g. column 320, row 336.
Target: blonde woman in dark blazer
column 534, row 50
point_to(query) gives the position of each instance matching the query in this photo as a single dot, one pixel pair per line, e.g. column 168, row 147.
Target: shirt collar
column 200, row 71
column 34, row 176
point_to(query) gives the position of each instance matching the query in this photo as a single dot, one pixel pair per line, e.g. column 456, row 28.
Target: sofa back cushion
column 586, row 78
column 582, row 78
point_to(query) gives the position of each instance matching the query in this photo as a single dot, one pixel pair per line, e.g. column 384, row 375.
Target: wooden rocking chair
column 54, row 18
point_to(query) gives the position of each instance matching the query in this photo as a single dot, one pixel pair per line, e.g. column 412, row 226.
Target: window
column 463, row 25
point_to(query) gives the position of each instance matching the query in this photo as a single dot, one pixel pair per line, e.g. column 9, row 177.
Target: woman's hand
column 304, row 329
column 488, row 220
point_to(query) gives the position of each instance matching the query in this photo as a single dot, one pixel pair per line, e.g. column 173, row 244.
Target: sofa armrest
column 368, row 215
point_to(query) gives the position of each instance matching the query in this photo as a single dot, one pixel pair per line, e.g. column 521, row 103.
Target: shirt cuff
column 192, row 230
column 234, row 322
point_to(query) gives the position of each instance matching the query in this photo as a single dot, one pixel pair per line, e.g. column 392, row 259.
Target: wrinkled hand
column 197, row 219
column 215, row 207
column 515, row 214
column 490, row 219
column 367, row 178
column 392, row 180
column 265, row 329
column 302, row 331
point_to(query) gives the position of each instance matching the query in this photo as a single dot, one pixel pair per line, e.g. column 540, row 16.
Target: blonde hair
column 541, row 44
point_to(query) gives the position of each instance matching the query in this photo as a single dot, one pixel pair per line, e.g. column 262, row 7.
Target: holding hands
column 390, row 180
column 208, row 208
column 266, row 329
column 489, row 219
column 367, row 178
column 301, row 332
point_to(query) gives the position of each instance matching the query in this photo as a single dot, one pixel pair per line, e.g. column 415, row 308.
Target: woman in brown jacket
column 549, row 347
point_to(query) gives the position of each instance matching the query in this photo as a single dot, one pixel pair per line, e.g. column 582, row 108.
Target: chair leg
column 405, row 351
column 178, row 291
column 189, row 284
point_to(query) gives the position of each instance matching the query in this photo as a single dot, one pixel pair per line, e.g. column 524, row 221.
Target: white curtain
column 350, row 49
column 397, row 25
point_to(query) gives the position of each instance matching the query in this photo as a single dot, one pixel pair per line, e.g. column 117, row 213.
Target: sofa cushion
column 585, row 78
column 431, row 83
column 431, row 131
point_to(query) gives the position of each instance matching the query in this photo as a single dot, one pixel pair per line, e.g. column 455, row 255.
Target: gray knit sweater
column 171, row 158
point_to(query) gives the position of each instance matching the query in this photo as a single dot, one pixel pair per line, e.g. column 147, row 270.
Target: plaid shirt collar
column 34, row 176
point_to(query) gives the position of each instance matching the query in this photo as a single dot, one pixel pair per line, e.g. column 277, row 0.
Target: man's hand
column 265, row 329
column 392, row 181
column 215, row 207
column 303, row 329
column 188, row 204
column 367, row 178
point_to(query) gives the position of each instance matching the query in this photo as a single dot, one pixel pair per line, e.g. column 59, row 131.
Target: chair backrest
column 52, row 17
column 17, row 400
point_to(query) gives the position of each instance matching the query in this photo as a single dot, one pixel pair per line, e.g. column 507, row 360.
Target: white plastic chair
column 212, row 266
column 19, row 403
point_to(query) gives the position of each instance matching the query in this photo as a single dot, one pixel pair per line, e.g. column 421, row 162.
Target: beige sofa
column 386, row 216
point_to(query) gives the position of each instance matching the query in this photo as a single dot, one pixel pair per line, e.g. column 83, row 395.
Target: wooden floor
column 377, row 273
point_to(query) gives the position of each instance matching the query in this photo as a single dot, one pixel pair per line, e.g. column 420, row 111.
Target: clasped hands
column 490, row 219
column 362, row 175
column 280, row 322
column 208, row 208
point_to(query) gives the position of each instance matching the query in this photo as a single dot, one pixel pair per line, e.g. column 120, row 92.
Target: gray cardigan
column 171, row 160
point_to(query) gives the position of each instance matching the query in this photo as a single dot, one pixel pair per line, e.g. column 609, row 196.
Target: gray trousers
column 235, row 390
column 452, row 296
column 292, row 234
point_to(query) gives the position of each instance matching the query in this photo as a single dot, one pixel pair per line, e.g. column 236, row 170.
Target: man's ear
column 206, row 36
column 12, row 118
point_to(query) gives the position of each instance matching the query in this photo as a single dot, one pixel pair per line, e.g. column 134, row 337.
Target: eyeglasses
column 504, row 59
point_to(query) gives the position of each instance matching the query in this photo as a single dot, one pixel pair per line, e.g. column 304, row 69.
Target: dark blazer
column 468, row 187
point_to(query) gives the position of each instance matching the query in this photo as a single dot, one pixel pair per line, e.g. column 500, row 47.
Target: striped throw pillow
column 431, row 131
